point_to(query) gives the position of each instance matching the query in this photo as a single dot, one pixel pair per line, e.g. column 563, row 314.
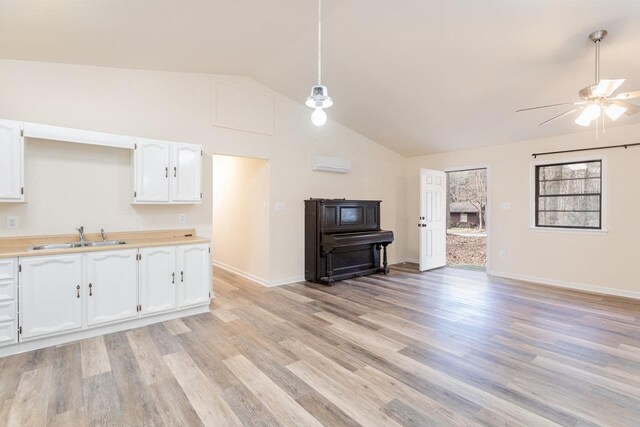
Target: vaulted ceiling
column 419, row 76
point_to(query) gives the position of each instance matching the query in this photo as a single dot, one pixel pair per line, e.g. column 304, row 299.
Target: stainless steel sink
column 106, row 243
column 55, row 246
column 76, row 245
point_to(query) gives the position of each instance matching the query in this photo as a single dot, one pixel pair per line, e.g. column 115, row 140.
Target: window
column 463, row 217
column 569, row 195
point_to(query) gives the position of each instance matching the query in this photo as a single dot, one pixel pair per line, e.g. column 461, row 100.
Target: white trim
column 568, row 285
column 252, row 277
column 35, row 344
column 603, row 192
column 79, row 136
column 566, row 230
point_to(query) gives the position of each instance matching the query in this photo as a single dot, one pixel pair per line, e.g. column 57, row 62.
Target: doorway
column 240, row 213
column 467, row 218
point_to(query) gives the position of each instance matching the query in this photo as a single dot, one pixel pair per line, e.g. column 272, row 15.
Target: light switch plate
column 13, row 222
column 505, row 206
column 281, row 206
column 182, row 218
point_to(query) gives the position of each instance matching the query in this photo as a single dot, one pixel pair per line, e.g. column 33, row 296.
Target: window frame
column 535, row 190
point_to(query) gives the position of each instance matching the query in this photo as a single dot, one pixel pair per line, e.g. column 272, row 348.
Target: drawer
column 8, row 332
column 7, row 269
column 7, row 289
column 7, row 311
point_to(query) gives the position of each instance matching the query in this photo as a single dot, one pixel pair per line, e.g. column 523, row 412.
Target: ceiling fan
column 597, row 98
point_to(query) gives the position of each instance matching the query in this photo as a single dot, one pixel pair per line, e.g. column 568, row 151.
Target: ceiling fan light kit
column 319, row 98
column 597, row 98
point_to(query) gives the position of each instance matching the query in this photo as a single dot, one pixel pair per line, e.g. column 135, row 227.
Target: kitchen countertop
column 13, row 247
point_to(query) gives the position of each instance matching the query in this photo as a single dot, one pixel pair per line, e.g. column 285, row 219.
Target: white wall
column 605, row 262
column 177, row 107
column 241, row 215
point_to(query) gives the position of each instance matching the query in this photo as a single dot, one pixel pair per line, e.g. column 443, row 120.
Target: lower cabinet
column 194, row 268
column 111, row 286
column 157, row 290
column 69, row 293
column 50, row 295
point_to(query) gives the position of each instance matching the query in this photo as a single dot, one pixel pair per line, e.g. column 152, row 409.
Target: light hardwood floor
column 449, row 347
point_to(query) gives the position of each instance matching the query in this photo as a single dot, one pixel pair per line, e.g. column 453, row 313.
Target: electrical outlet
column 182, row 218
column 12, row 222
column 503, row 254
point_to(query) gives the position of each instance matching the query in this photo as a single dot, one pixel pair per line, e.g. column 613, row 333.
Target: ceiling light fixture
column 319, row 99
column 598, row 98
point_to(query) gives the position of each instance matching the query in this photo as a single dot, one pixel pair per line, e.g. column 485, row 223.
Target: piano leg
column 330, row 268
column 384, row 259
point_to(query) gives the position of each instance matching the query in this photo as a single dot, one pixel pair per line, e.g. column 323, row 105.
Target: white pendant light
column 319, row 98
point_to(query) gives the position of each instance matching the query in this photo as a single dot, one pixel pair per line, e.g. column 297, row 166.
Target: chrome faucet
column 103, row 234
column 81, row 231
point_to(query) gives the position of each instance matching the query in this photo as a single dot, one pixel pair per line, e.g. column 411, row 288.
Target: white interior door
column 433, row 223
column 186, row 172
column 151, row 171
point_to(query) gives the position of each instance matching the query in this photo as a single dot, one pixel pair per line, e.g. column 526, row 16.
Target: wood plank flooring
column 449, row 347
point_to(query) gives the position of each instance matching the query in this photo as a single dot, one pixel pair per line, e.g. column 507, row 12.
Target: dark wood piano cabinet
column 343, row 239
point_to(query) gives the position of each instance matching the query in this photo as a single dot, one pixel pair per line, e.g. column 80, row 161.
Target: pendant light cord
column 319, row 42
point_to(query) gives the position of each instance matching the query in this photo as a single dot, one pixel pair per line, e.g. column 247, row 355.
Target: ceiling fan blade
column 631, row 108
column 627, row 95
column 550, row 105
column 606, row 87
column 573, row 110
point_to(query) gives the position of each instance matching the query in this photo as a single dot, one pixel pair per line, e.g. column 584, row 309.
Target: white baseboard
column 568, row 285
column 252, row 277
column 258, row 280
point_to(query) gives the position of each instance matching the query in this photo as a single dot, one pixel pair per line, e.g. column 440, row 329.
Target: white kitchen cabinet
column 151, row 171
column 194, row 268
column 167, row 172
column 11, row 161
column 50, row 295
column 8, row 307
column 186, row 172
column 111, row 286
column 157, row 284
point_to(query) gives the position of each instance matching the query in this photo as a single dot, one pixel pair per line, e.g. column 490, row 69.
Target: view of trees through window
column 466, row 220
column 569, row 195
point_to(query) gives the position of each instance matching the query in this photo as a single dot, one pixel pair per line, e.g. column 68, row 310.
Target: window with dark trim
column 569, row 195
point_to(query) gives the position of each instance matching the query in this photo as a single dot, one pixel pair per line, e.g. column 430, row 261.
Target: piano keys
column 343, row 240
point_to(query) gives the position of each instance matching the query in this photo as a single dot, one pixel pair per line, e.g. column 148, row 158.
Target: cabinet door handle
column 90, row 290
column 166, row 172
column 173, row 278
column 78, row 289
column 182, row 276
column 175, row 171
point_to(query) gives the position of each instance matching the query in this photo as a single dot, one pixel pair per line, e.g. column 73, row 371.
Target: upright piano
column 343, row 239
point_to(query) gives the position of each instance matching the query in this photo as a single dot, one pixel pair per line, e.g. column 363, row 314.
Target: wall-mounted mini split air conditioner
column 330, row 164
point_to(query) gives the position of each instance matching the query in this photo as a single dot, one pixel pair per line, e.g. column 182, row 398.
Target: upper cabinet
column 163, row 172
column 151, row 171
column 186, row 165
column 167, row 172
column 11, row 161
